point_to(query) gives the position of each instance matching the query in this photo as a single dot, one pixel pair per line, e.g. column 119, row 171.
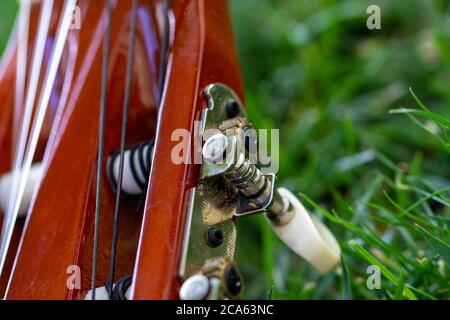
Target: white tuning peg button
column 7, row 183
column 308, row 236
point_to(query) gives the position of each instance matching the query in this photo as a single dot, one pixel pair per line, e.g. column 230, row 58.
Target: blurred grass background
column 313, row 70
column 356, row 145
column 8, row 10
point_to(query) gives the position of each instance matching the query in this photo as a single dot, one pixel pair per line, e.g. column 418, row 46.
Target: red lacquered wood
column 203, row 52
column 59, row 229
column 7, row 80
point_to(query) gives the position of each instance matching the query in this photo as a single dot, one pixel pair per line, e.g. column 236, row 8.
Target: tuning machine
column 232, row 186
column 303, row 233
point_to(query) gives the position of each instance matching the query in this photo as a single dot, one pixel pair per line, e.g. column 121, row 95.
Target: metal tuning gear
column 304, row 234
column 231, row 186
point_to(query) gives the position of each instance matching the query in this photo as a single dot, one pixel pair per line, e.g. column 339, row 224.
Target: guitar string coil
column 136, row 169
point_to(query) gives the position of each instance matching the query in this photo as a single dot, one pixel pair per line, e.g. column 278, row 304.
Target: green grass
column 7, row 16
column 364, row 132
column 361, row 150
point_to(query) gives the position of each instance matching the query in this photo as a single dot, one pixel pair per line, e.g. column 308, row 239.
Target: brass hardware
column 212, row 204
column 231, row 185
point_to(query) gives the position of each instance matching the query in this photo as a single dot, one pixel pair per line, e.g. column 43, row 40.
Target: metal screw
column 214, row 237
column 232, row 108
column 233, row 280
column 195, row 288
column 215, row 148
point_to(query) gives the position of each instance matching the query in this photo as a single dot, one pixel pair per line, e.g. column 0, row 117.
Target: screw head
column 195, row 288
column 232, row 108
column 233, row 280
column 215, row 148
column 214, row 237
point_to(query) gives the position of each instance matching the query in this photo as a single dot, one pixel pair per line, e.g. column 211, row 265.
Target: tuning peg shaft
column 306, row 235
column 7, row 185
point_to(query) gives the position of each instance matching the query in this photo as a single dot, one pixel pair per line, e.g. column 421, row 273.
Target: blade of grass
column 439, row 246
column 400, row 287
column 426, row 114
column 347, row 289
column 384, row 271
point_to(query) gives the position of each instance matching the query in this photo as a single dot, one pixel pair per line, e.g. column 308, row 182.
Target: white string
column 38, row 120
column 38, row 54
column 36, row 66
column 21, row 63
